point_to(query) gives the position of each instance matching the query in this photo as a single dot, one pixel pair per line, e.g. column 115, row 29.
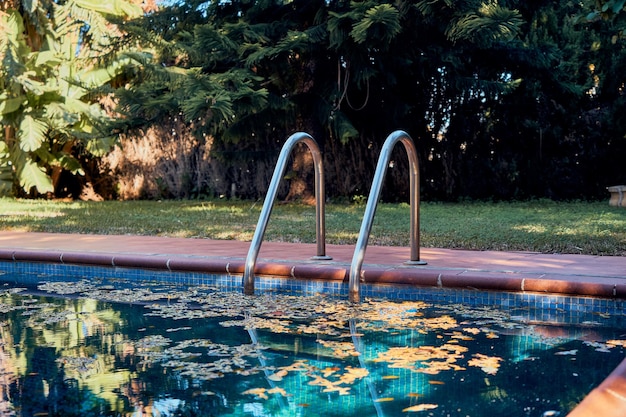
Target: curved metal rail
column 268, row 204
column 372, row 201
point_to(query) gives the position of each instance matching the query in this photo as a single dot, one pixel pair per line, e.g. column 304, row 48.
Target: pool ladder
column 268, row 204
column 368, row 217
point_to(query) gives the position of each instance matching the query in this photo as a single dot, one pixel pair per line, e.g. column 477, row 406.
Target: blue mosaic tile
column 556, row 305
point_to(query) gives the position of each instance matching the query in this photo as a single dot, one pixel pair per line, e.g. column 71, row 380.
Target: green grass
column 542, row 226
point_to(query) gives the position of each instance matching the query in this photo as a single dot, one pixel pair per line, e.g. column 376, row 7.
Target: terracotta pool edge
column 371, row 274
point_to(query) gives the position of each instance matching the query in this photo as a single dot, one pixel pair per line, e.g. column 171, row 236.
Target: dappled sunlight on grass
column 241, row 236
column 539, row 226
column 212, row 209
column 531, row 228
column 35, row 214
column 343, row 237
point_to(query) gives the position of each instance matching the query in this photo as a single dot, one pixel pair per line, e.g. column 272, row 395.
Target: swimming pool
column 117, row 341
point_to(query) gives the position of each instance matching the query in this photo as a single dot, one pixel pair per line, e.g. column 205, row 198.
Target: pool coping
column 613, row 287
column 486, row 270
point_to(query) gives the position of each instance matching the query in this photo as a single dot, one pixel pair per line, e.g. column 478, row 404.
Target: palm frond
column 491, row 23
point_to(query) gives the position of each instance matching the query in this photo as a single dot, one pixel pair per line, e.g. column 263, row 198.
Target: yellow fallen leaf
column 420, row 407
column 278, row 376
column 259, row 392
column 277, row 390
column 384, row 399
column 489, row 364
column 326, row 372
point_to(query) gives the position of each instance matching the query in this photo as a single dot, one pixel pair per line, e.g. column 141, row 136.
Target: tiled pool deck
column 485, row 270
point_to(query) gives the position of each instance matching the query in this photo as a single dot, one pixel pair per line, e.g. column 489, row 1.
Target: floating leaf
column 420, row 407
column 567, row 352
column 384, row 399
column 178, row 329
column 425, row 359
column 340, row 349
column 277, row 390
column 489, row 364
column 257, row 392
column 277, row 376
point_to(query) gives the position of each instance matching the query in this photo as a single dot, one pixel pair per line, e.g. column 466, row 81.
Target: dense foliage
column 56, row 57
column 504, row 99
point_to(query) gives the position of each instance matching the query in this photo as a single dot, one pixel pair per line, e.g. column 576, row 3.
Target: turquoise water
column 108, row 347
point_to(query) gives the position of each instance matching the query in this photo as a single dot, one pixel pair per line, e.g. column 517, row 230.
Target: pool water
column 114, row 348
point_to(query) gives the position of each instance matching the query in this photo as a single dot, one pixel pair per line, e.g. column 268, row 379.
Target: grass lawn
column 541, row 226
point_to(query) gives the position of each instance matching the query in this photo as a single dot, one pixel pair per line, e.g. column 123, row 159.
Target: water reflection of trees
column 73, row 356
column 63, row 358
column 69, row 356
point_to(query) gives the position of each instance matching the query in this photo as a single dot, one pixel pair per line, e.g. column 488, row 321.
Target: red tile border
column 273, row 269
column 235, row 267
column 326, row 272
column 405, row 276
column 182, row 264
column 26, row 255
column 554, row 286
column 139, row 261
column 483, row 281
column 87, row 258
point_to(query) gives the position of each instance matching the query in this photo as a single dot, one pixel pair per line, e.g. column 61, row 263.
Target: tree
column 57, row 57
column 496, row 93
column 251, row 71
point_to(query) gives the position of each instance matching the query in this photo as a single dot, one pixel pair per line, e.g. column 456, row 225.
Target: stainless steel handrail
column 372, row 201
column 268, row 204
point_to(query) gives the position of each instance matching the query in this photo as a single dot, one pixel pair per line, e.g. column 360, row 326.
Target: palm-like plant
column 55, row 55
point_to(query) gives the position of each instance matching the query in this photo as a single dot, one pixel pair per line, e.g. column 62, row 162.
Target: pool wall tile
column 552, row 307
